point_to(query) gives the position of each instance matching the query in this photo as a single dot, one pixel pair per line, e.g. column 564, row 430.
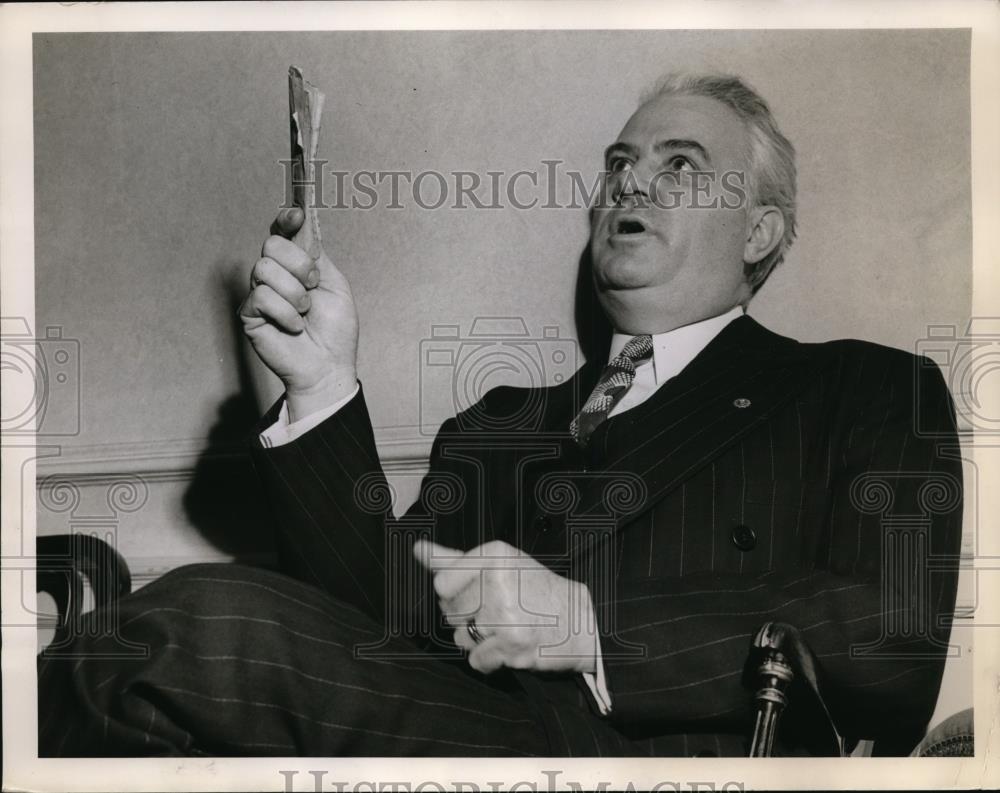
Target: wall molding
column 403, row 449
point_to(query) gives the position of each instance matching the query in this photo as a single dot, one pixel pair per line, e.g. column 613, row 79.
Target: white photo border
column 24, row 771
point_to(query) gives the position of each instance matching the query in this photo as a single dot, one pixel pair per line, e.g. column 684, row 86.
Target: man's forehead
column 685, row 117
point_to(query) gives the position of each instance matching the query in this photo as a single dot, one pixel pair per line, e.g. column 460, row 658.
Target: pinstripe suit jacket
column 813, row 484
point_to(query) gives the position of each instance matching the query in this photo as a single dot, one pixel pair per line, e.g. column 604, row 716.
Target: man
column 587, row 563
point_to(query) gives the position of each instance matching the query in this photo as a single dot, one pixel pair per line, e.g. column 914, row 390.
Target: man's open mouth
column 628, row 225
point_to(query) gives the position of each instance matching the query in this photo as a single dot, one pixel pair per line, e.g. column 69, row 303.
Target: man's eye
column 680, row 163
column 618, row 164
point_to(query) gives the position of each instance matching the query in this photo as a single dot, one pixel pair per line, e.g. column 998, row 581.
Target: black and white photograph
column 554, row 393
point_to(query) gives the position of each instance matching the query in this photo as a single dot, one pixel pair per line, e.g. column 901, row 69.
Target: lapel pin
column 741, row 402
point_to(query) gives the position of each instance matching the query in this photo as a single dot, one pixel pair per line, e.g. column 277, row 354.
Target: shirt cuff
column 283, row 431
column 598, row 684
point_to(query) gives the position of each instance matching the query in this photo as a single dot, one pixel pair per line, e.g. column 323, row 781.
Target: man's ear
column 765, row 228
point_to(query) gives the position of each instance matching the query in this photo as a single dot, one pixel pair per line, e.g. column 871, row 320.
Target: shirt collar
column 676, row 348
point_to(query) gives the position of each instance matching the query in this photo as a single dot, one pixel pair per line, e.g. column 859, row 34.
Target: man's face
column 666, row 242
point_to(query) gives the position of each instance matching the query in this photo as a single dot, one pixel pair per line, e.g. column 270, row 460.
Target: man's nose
column 631, row 193
column 631, row 198
column 633, row 187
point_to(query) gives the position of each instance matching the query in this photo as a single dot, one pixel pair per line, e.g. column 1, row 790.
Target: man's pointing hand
column 524, row 616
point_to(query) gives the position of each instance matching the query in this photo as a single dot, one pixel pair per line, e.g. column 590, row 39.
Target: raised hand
column 301, row 319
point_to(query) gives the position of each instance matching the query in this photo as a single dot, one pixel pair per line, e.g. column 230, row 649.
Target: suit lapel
column 733, row 386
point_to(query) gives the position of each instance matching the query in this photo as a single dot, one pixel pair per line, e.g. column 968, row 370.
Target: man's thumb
column 288, row 222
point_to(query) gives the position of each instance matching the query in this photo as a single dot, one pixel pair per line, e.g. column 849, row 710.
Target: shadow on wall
column 593, row 330
column 224, row 499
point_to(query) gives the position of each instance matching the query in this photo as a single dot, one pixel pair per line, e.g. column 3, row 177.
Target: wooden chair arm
column 67, row 561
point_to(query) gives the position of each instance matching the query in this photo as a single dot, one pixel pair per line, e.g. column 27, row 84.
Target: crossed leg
column 244, row 661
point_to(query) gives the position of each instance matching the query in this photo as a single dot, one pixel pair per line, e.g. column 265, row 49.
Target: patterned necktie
column 615, row 381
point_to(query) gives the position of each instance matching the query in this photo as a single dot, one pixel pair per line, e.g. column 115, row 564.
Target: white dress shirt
column 672, row 351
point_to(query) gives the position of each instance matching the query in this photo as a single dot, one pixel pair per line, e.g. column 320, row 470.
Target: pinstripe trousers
column 245, row 661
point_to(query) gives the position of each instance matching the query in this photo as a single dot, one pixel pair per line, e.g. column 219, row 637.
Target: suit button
column 744, row 537
column 543, row 523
